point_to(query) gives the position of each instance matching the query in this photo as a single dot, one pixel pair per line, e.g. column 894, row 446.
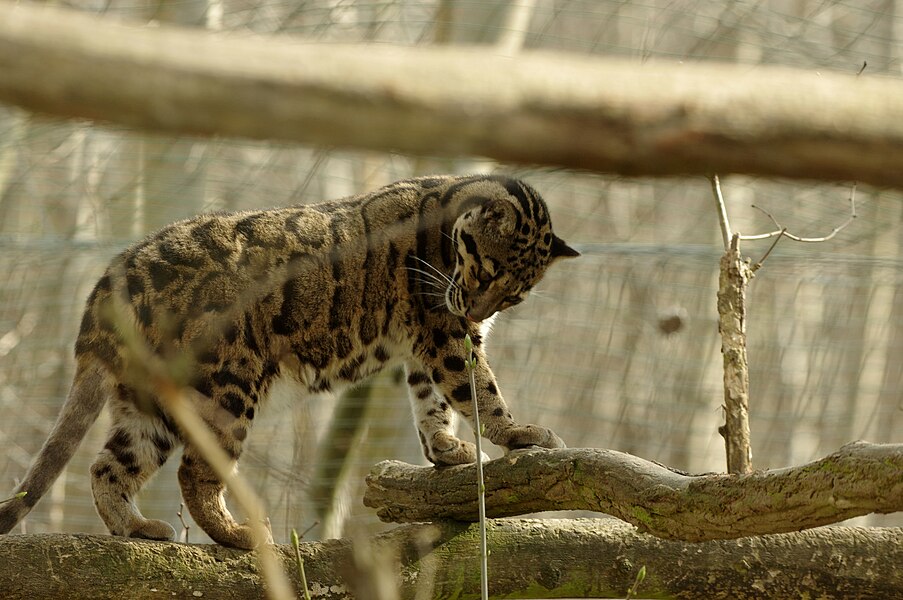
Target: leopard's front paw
column 446, row 450
column 532, row 435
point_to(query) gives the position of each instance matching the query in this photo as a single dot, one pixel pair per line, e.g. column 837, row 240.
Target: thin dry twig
column 758, row 263
column 185, row 526
column 782, row 231
column 306, row 531
column 723, row 221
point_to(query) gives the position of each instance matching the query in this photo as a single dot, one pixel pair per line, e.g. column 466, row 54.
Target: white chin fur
column 486, row 324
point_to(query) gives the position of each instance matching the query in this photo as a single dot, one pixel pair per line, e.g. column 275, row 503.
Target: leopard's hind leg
column 203, row 493
column 138, row 444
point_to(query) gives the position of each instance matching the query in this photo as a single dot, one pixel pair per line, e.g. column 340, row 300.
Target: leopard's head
column 503, row 246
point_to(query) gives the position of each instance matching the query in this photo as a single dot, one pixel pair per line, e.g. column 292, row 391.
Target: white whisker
column 437, row 271
column 440, row 305
column 436, row 288
column 432, row 279
column 434, row 294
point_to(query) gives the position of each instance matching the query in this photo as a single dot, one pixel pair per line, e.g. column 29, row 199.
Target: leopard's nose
column 479, row 312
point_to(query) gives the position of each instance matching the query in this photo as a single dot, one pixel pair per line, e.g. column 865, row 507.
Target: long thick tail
column 84, row 403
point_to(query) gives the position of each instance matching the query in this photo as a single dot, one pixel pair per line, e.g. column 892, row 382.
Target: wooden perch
column 658, row 118
column 858, row 479
column 550, row 558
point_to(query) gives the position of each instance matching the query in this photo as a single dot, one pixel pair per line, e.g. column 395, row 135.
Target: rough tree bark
column 733, row 281
column 858, row 479
column 576, row 111
column 592, row 558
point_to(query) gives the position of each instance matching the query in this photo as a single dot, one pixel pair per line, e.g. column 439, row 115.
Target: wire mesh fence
column 618, row 349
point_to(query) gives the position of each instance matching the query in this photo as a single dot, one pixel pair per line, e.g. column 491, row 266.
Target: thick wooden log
column 858, row 479
column 591, row 558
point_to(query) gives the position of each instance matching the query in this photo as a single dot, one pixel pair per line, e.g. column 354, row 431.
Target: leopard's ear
column 500, row 215
column 560, row 249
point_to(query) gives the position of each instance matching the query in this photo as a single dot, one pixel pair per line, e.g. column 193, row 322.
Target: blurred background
column 617, row 349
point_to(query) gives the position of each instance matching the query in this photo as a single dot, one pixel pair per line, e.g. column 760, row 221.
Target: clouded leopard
column 326, row 293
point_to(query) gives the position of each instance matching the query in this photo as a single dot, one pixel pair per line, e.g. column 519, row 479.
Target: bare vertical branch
column 732, row 284
column 733, row 281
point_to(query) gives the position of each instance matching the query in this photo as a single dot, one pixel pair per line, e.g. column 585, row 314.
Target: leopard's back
column 318, row 282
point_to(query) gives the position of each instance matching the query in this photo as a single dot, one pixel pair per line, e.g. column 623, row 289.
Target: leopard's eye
column 512, row 300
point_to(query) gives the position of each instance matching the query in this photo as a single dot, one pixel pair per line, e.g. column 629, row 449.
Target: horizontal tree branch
column 658, row 118
column 591, row 558
column 858, row 479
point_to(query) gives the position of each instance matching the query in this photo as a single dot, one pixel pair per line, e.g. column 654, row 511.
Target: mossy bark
column 593, row 558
